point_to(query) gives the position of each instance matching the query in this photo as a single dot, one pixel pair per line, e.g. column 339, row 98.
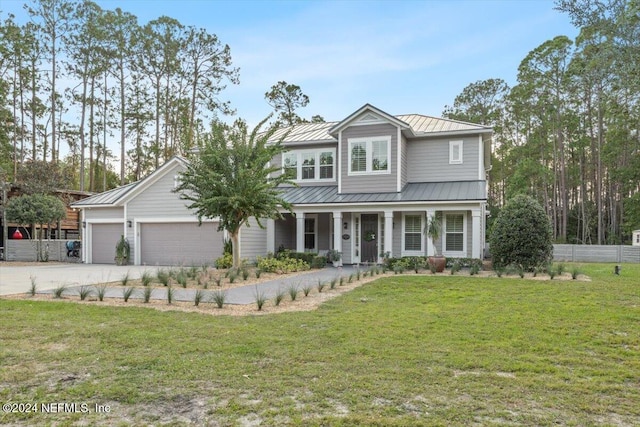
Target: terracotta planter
column 439, row 262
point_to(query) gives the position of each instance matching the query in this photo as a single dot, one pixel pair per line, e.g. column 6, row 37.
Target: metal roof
column 413, row 192
column 427, row 124
column 420, row 126
column 106, row 198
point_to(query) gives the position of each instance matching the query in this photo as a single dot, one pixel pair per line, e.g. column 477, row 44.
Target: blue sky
column 401, row 56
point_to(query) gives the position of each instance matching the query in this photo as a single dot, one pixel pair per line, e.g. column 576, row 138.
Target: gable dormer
column 370, row 145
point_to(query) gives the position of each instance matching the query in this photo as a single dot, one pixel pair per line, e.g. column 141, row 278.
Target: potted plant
column 122, row 251
column 433, row 230
column 334, row 256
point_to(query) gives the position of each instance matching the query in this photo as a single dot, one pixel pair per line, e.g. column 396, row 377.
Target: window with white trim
column 455, row 152
column 454, row 233
column 310, row 234
column 412, row 233
column 309, row 165
column 369, row 155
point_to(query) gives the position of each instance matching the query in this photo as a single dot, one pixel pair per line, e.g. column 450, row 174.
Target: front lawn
column 403, row 350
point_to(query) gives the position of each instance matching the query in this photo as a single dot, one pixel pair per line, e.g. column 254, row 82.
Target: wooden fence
column 597, row 253
column 25, row 250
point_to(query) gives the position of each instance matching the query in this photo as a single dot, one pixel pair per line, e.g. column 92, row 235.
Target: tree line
column 567, row 133
column 76, row 76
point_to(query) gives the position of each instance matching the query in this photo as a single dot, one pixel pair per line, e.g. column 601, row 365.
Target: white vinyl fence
column 597, row 253
column 25, row 250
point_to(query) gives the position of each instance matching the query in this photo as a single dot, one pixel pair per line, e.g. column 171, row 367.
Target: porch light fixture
column 345, row 225
column 129, row 223
column 84, row 224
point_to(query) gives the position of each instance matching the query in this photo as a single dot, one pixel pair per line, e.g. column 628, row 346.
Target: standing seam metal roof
column 413, row 192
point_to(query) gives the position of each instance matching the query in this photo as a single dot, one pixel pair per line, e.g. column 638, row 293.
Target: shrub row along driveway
column 15, row 280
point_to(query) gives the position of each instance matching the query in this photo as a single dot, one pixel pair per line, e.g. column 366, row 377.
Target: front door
column 369, row 233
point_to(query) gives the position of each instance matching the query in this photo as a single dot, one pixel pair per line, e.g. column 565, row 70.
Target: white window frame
column 299, row 155
column 404, row 222
column 456, row 254
column 368, row 142
column 453, row 160
column 313, row 217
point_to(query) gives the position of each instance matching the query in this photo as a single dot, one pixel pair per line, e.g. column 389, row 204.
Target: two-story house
column 366, row 186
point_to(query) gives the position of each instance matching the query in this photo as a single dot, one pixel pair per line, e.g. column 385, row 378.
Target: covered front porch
column 369, row 234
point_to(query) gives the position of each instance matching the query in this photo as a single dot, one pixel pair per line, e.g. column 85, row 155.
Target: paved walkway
column 239, row 295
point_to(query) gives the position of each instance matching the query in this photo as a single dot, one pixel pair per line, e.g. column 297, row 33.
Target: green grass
column 400, row 351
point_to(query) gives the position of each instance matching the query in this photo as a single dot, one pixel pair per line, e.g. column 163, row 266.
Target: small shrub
column 218, row 281
column 332, row 284
column 192, row 272
column 551, row 271
column 318, row 262
column 260, row 298
column 57, row 292
column 127, row 292
column 245, row 274
column 125, row 279
column 341, row 280
column 279, row 296
column 520, row 270
column 34, row 287
column 561, row 269
column 358, row 273
column 398, row 269
column 474, row 269
column 101, row 291
column 225, row 261
column 350, row 280
column 432, row 267
column 575, row 272
column 232, row 276
column 306, row 289
column 293, row 292
column 198, row 296
column 499, row 270
column 282, row 265
column 163, row 277
column 218, row 297
column 258, row 272
column 455, row 267
column 146, row 278
column 146, row 294
column 181, row 278
column 84, row 292
column 321, row 285
column 170, row 294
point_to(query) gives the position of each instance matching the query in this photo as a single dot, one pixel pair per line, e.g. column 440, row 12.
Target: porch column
column 271, row 235
column 476, row 244
column 299, row 231
column 388, row 232
column 431, row 250
column 337, row 231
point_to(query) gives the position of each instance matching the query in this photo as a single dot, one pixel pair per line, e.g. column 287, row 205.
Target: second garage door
column 104, row 238
column 180, row 243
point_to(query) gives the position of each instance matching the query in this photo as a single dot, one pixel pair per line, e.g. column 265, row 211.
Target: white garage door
column 180, row 243
column 104, row 238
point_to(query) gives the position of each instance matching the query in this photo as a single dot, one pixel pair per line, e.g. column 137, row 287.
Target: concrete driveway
column 17, row 279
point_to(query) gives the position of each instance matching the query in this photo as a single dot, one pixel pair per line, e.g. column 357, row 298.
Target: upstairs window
column 455, row 152
column 369, row 155
column 309, row 165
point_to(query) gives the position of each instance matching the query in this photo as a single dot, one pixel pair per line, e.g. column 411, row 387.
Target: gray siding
column 102, row 213
column 157, row 201
column 369, row 183
column 404, row 167
column 397, row 235
column 285, row 232
column 428, row 160
column 346, row 244
column 253, row 240
column 324, row 231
